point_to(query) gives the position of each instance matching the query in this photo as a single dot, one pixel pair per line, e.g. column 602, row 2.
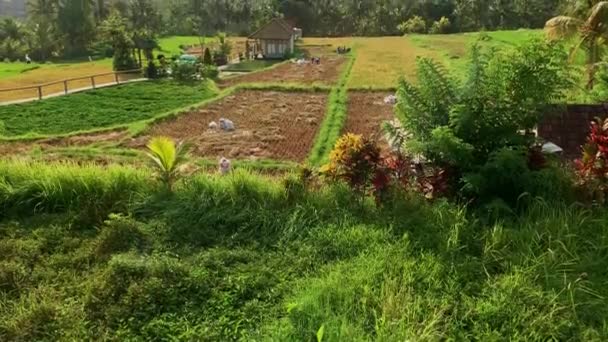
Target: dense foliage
column 72, row 27
column 480, row 128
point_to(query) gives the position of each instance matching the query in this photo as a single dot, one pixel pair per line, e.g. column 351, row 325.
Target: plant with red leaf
column 593, row 166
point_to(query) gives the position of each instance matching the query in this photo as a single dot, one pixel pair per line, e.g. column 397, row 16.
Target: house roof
column 277, row 28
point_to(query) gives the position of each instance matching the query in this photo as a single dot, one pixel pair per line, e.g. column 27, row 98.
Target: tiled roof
column 275, row 29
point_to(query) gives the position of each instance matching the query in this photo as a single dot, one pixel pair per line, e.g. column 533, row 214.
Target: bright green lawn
column 12, row 69
column 99, row 108
column 171, row 45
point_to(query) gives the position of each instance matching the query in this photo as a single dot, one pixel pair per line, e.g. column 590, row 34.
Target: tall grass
column 251, row 257
column 30, row 188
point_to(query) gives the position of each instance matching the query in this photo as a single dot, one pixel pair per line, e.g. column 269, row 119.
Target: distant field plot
column 452, row 49
column 269, row 125
column 381, row 61
column 46, row 73
column 99, row 108
column 326, row 73
column 367, row 112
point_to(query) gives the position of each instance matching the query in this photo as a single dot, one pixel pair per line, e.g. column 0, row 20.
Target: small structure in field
column 275, row 40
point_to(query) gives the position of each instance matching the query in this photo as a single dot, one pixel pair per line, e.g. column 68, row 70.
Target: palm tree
column 592, row 30
column 167, row 158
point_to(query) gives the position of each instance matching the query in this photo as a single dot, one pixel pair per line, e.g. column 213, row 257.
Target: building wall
column 568, row 126
column 275, row 48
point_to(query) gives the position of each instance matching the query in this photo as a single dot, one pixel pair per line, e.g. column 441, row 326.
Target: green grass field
column 245, row 257
column 99, row 108
column 171, row 45
column 13, row 69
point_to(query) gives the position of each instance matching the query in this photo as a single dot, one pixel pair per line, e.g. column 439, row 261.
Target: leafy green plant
column 184, row 72
column 151, row 71
column 167, row 158
column 463, row 125
column 207, row 59
column 114, row 31
column 441, row 26
column 416, row 24
column 209, row 71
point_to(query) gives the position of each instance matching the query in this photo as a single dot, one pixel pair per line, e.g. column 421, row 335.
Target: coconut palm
column 592, row 30
column 167, row 158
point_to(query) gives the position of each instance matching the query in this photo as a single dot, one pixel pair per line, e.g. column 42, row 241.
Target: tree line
column 358, row 17
column 72, row 28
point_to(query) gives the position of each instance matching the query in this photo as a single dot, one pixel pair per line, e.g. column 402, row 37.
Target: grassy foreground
column 90, row 253
column 100, row 108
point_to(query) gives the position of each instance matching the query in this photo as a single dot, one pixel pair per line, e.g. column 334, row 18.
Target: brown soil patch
column 21, row 147
column 269, row 125
column 326, row 73
column 367, row 112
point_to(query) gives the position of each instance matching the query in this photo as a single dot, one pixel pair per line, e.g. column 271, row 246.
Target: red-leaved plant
column 593, row 166
column 358, row 162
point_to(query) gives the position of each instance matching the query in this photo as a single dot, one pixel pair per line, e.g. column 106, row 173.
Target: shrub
column 415, row 24
column 354, row 160
column 441, row 26
column 463, row 126
column 593, row 166
column 184, row 72
column 225, row 47
column 209, row 71
column 151, row 71
column 207, row 59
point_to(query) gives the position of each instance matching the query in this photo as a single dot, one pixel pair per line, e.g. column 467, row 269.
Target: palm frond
column 167, row 156
column 598, row 18
column 563, row 27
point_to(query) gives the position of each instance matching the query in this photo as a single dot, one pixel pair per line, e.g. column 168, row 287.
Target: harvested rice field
column 367, row 112
column 269, row 125
column 326, row 73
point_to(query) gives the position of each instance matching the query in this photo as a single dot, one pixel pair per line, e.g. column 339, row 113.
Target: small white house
column 275, row 40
